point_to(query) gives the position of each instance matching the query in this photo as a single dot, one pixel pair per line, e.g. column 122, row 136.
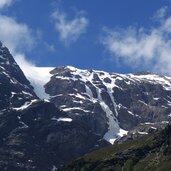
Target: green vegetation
column 151, row 153
column 128, row 165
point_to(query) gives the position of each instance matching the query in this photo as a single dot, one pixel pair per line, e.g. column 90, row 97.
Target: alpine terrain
column 50, row 116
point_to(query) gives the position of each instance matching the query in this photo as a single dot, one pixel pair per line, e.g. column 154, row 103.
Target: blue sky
column 114, row 35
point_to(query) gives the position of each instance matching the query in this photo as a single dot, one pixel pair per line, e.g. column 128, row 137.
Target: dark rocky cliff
column 110, row 102
column 85, row 108
column 35, row 134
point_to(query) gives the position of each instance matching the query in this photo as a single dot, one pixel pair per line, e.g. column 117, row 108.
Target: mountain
column 63, row 113
column 35, row 134
column 15, row 89
column 151, row 152
column 110, row 104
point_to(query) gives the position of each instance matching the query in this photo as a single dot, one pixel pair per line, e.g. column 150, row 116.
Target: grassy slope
column 151, row 153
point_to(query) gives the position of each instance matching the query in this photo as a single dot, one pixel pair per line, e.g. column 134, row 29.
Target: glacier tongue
column 89, row 92
column 100, row 87
column 113, row 130
column 38, row 77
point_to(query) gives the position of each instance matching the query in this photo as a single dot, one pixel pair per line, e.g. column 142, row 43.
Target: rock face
column 150, row 152
column 41, row 137
column 15, row 89
column 35, row 134
column 85, row 111
column 110, row 103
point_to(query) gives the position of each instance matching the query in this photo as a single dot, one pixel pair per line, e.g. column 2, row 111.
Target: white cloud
column 14, row 35
column 139, row 47
column 69, row 30
column 49, row 47
column 18, row 38
column 38, row 76
column 161, row 13
column 21, row 60
column 5, row 3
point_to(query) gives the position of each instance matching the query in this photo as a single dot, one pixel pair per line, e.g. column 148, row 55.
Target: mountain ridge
column 78, row 111
column 70, row 73
column 35, row 134
column 150, row 152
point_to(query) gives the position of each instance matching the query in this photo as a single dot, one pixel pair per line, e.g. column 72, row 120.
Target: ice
column 155, row 98
column 122, row 132
column 24, row 125
column 25, row 106
column 89, row 92
column 153, row 127
column 46, row 100
column 54, row 168
column 165, row 122
column 12, row 94
column 64, row 120
column 142, row 102
column 39, row 76
column 142, row 133
column 164, row 106
column 130, row 113
column 154, row 78
column 119, row 133
column 113, row 127
column 75, row 108
column 24, row 92
column 114, row 130
column 4, row 72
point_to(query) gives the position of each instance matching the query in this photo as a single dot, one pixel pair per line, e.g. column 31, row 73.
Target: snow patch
column 120, row 133
column 155, row 98
column 113, row 128
column 64, row 120
column 61, row 119
column 130, row 113
column 24, row 125
column 153, row 128
column 38, row 77
column 143, row 102
column 74, row 108
column 148, row 123
column 165, row 122
column 26, row 93
column 142, row 133
column 26, row 105
column 54, row 168
column 88, row 92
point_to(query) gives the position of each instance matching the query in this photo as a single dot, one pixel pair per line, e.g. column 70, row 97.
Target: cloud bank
column 5, row 3
column 69, row 30
column 140, row 47
column 16, row 36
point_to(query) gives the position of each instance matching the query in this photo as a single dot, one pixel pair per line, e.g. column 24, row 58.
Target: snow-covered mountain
column 38, row 77
column 15, row 89
column 35, row 134
column 111, row 104
column 64, row 112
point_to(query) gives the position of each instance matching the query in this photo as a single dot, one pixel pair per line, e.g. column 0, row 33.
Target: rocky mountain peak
column 121, row 101
column 15, row 88
column 35, row 134
column 83, row 111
